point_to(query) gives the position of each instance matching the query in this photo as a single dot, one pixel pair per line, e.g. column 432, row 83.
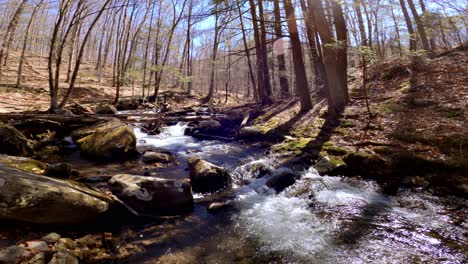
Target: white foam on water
column 171, row 138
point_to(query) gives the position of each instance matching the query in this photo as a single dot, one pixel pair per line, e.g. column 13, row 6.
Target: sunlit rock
column 13, row 142
column 105, row 141
column 151, row 195
column 207, row 177
column 44, row 200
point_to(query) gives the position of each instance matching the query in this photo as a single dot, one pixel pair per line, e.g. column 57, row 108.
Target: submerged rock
column 209, row 127
column 281, row 179
column 13, row 142
column 46, row 200
column 215, row 207
column 151, row 156
column 106, row 141
column 59, row 170
column 106, row 110
column 207, row 177
column 151, row 195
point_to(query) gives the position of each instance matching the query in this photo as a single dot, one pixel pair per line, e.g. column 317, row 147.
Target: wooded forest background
column 253, row 50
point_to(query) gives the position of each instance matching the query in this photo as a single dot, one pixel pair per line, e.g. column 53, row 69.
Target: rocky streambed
column 196, row 195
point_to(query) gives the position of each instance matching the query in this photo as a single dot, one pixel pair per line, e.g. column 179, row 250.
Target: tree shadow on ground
column 326, row 131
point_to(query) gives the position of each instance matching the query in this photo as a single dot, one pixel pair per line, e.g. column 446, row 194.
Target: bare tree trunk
column 247, row 53
column 420, row 26
column 80, row 55
column 336, row 93
column 283, row 79
column 397, row 30
column 319, row 68
column 425, row 15
column 302, row 88
column 266, row 72
column 409, row 25
column 213, row 58
column 342, row 48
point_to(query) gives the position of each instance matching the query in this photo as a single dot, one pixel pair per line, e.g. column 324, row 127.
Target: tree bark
column 409, row 25
column 280, row 57
column 420, row 26
column 302, row 88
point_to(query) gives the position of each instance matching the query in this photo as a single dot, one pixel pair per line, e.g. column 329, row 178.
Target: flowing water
column 320, row 219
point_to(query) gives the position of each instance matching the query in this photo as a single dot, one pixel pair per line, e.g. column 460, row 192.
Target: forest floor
column 418, row 125
column 33, row 95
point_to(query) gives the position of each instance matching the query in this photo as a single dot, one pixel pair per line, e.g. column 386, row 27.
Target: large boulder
column 209, row 126
column 105, row 141
column 44, row 200
column 250, row 133
column 281, row 179
column 106, row 110
column 151, row 195
column 205, row 127
column 206, row 177
column 13, row 142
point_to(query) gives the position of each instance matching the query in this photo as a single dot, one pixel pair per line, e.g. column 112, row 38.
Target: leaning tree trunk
column 420, row 26
column 409, row 25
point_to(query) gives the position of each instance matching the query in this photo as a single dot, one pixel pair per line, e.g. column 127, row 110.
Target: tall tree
column 280, row 57
column 409, row 25
column 299, row 68
column 336, row 91
column 420, row 26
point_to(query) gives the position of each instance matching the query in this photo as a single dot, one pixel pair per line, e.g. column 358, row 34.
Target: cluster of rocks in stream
column 55, row 249
column 34, row 191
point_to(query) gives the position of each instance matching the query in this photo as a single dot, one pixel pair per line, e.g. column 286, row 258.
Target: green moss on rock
column 295, row 145
column 21, row 163
column 12, row 141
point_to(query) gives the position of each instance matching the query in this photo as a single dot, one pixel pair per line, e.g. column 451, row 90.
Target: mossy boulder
column 206, row 177
column 295, row 145
column 109, row 140
column 365, row 164
column 12, row 141
column 152, row 195
column 250, row 133
column 24, row 164
column 44, row 200
column 329, row 165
